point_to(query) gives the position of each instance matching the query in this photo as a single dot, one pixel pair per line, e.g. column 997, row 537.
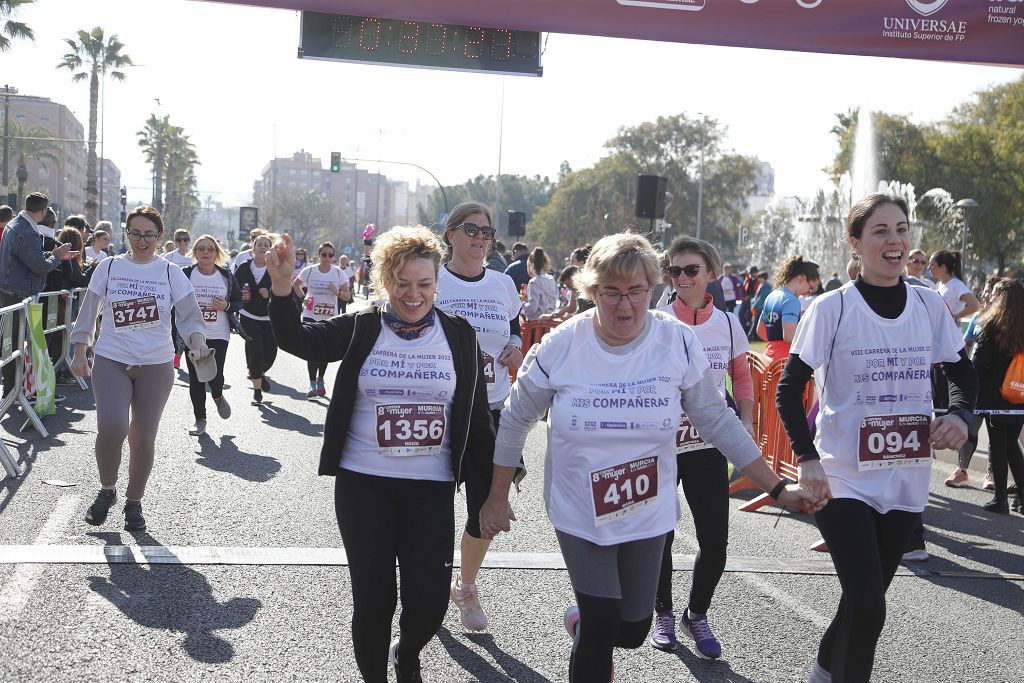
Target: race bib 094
column 886, row 441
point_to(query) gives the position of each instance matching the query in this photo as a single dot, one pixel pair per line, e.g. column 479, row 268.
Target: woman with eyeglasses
column 917, row 261
column 407, row 423
column 796, row 278
column 318, row 287
column 131, row 367
column 489, row 301
column 301, row 261
column 220, row 299
column 702, row 468
column 260, row 347
column 613, row 380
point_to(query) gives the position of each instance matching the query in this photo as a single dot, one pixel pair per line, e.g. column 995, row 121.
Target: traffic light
column 124, row 219
column 124, row 197
column 335, row 162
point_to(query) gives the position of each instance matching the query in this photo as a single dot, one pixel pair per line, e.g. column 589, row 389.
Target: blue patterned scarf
column 407, row 330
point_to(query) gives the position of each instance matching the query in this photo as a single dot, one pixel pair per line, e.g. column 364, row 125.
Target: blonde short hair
column 395, row 248
column 614, row 258
column 222, row 256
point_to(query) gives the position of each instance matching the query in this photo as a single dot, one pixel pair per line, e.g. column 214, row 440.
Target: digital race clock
column 431, row 45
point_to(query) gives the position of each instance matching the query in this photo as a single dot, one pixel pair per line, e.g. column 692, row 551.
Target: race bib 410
column 623, row 489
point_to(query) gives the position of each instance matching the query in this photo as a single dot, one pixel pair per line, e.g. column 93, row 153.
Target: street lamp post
column 444, row 195
column 700, row 180
column 966, row 206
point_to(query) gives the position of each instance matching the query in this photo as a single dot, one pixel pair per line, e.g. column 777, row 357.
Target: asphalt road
column 251, row 483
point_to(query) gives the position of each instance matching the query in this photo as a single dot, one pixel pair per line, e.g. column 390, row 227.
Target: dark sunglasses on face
column 182, row 239
column 918, row 260
column 690, row 270
column 472, row 229
column 327, row 254
column 205, row 250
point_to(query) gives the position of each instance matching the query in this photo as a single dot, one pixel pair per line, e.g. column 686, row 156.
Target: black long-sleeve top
column 991, row 365
column 350, row 338
column 887, row 302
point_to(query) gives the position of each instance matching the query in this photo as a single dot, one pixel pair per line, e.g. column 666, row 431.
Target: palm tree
column 9, row 29
column 92, row 55
column 152, row 140
column 35, row 143
column 182, row 198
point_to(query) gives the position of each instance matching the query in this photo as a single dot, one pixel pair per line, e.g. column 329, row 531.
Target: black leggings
column 316, row 370
column 260, row 347
column 866, row 549
column 477, row 490
column 382, row 518
column 602, row 629
column 197, row 389
column 1004, row 453
column 704, row 475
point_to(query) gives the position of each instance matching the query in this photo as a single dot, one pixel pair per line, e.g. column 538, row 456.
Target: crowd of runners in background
column 643, row 383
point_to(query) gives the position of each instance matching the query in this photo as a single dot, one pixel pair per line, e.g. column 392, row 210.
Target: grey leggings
column 144, row 389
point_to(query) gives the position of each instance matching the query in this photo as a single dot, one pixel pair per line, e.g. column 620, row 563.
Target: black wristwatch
column 964, row 414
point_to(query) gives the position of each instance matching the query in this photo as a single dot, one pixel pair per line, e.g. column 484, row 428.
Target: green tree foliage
column 93, row 55
column 310, row 217
column 10, row 29
column 501, row 194
column 173, row 158
column 977, row 152
column 601, row 199
column 32, row 144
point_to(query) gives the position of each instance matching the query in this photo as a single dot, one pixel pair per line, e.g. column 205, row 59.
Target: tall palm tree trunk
column 91, row 193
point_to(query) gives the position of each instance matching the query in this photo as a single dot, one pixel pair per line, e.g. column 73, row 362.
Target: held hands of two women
column 496, row 515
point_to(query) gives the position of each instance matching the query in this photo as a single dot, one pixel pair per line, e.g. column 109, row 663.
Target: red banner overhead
column 982, row 31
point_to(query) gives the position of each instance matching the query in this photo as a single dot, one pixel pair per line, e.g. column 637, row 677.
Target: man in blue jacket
column 517, row 268
column 23, row 263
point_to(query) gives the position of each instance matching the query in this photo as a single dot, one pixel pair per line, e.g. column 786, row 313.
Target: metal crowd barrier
column 12, row 350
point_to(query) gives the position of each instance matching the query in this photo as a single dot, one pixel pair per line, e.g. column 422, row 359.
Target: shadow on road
column 227, row 457
column 707, row 670
column 279, row 418
column 174, row 598
column 480, row 668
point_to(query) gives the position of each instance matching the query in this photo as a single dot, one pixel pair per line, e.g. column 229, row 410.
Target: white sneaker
column 467, row 599
column 919, row 555
column 199, row 429
column 818, row 674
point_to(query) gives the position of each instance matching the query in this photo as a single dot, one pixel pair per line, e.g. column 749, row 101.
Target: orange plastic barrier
column 532, row 331
column 769, row 434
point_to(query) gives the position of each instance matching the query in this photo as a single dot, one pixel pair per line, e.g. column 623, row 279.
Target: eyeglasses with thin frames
column 472, row 229
column 144, row 236
column 690, row 270
column 635, row 296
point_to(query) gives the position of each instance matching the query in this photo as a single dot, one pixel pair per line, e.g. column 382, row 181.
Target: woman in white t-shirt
column 220, row 299
column 407, row 423
column 960, row 300
column 870, row 345
column 542, row 290
column 614, row 379
column 702, row 468
column 98, row 250
column 489, row 301
column 320, row 287
column 132, row 374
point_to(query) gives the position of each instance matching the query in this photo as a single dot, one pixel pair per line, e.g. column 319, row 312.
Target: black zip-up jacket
column 991, row 365
column 350, row 339
column 256, row 305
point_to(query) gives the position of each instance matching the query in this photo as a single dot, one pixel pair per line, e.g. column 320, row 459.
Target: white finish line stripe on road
column 211, row 555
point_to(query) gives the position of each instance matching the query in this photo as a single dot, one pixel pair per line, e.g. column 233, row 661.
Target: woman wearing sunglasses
column 702, row 468
column 489, row 301
column 319, row 287
column 917, row 261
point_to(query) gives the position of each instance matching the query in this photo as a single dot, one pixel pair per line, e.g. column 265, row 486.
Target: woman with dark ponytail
column 946, row 267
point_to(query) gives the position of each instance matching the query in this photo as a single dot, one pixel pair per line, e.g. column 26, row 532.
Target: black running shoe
column 266, row 384
column 133, row 519
column 97, row 512
column 257, row 397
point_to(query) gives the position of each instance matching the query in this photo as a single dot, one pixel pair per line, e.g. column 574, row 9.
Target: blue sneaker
column 664, row 635
column 695, row 626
